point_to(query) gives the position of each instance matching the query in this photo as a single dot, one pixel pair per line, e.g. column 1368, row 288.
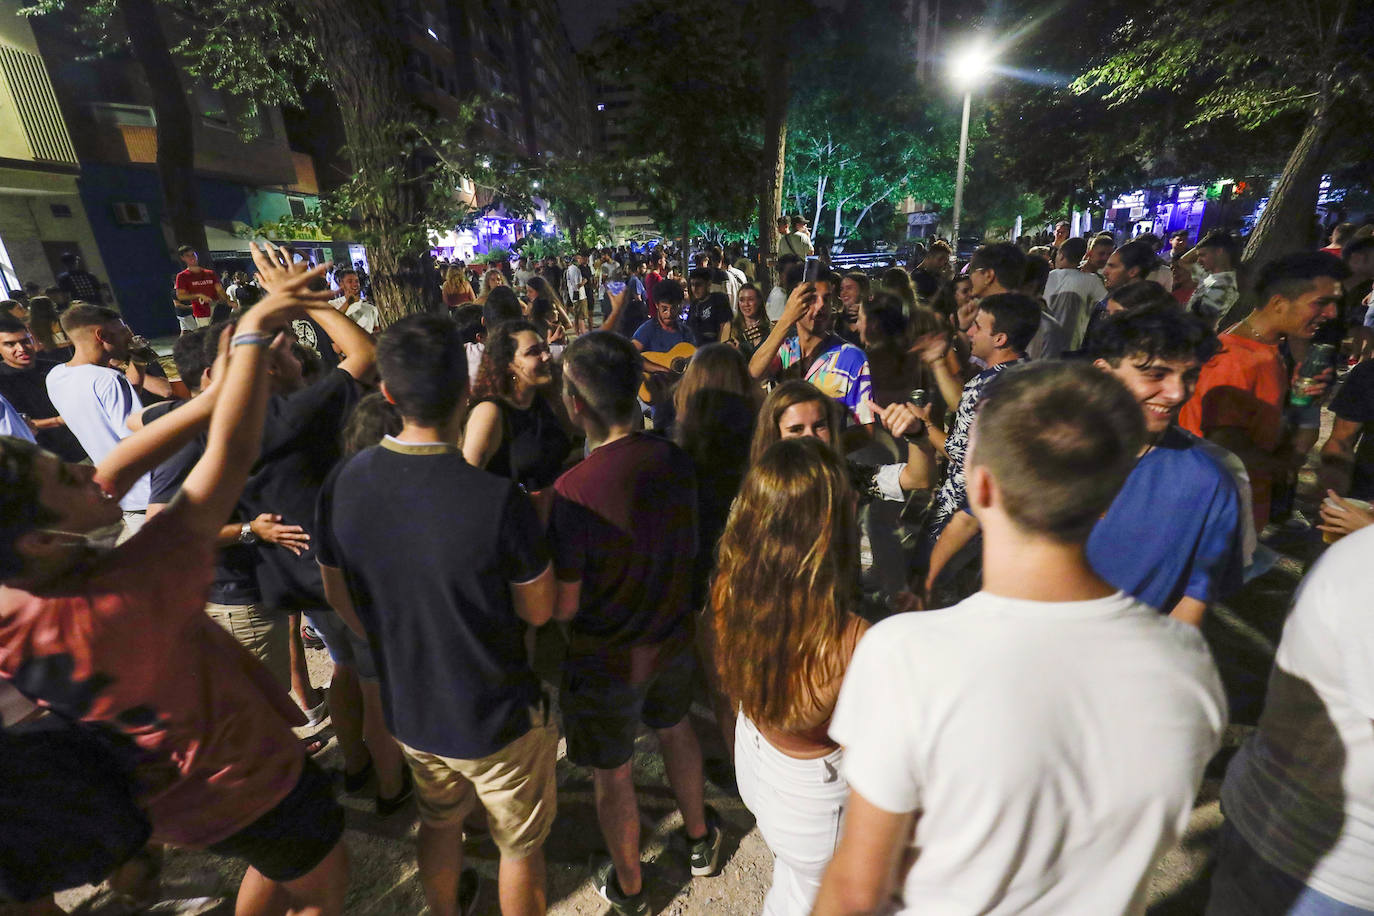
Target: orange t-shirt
column 1243, row 386
column 130, row 648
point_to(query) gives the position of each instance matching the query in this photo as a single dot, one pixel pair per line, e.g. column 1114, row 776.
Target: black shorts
column 68, row 815
column 288, row 842
column 601, row 714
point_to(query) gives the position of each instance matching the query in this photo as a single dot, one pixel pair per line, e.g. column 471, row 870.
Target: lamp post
column 967, row 68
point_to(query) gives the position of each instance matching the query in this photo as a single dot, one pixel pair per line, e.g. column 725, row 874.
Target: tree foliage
column 862, row 132
column 696, row 120
column 1252, row 66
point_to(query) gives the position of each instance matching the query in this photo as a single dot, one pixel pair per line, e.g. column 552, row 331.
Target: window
column 210, row 103
column 118, row 115
column 297, row 207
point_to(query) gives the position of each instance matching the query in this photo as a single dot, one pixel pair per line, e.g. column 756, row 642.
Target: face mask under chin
column 97, row 540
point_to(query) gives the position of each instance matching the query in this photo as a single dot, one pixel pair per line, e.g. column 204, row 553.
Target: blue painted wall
column 141, row 265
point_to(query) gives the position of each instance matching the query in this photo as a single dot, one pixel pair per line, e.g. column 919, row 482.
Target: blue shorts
column 345, row 647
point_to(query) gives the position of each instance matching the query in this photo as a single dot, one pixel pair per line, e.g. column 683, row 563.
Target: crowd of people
column 933, row 547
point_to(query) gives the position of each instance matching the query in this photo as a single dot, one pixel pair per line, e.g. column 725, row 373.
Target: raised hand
column 798, row 304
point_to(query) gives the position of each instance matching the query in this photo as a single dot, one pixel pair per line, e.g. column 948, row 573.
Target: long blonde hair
column 786, row 583
column 456, row 282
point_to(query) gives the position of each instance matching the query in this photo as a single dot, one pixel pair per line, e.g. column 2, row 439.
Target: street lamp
column 967, row 69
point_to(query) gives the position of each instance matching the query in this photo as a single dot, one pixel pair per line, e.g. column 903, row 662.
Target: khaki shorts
column 267, row 638
column 516, row 785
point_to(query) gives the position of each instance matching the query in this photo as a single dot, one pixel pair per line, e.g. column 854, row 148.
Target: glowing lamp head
column 970, row 66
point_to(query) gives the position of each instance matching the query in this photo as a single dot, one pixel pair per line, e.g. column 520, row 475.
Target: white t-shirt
column 12, row 424
column 1301, row 790
column 474, row 353
column 363, row 313
column 1070, row 294
column 95, row 401
column 572, row 281
column 1053, row 751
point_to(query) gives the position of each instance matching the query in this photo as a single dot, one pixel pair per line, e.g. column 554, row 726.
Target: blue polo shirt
column 1173, row 530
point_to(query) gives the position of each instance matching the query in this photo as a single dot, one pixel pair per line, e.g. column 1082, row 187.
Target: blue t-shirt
column 1173, row 530
column 655, row 339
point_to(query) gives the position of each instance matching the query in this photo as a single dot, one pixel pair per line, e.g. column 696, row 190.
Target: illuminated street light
column 967, row 68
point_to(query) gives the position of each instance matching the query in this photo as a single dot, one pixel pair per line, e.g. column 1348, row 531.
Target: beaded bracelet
column 253, row 339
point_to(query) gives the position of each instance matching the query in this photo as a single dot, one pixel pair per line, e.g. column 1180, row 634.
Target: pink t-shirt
column 129, row 647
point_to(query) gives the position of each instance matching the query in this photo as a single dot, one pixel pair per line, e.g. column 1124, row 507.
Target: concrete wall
column 27, row 220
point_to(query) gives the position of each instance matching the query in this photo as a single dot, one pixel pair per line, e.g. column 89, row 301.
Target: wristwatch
column 246, row 535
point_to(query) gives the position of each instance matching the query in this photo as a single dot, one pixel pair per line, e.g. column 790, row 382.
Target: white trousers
column 798, row 805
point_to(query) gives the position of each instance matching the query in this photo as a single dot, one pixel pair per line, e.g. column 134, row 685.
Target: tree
column 698, row 114
column 408, row 164
column 861, row 131
column 1256, row 62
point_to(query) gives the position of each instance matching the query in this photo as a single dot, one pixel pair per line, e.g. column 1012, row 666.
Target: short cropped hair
column 1342, row 233
column 700, row 273
column 939, row 245
column 424, row 366
column 1291, row 276
column 1157, row 330
column 1220, row 238
column 1074, row 249
column 192, row 357
column 1006, row 260
column 186, row 249
column 604, row 370
column 669, row 291
column 1357, row 245
column 1059, row 438
column 86, row 315
column 1141, row 292
column 1015, row 315
column 11, row 325
column 1138, row 254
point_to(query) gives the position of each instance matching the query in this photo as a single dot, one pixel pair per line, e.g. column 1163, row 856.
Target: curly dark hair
column 493, row 374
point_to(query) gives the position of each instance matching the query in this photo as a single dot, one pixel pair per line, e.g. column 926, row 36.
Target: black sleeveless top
column 533, row 446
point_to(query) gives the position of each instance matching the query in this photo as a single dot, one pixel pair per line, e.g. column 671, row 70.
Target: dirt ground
column 1243, row 634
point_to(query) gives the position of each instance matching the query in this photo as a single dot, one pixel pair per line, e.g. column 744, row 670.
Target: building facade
column 42, row 215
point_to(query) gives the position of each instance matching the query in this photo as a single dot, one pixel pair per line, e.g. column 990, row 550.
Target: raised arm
column 359, row 348
column 798, row 302
column 213, row 486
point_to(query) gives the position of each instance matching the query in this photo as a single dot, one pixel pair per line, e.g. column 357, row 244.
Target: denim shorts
column 345, row 647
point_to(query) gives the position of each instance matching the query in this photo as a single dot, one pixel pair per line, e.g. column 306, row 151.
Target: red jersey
column 200, row 281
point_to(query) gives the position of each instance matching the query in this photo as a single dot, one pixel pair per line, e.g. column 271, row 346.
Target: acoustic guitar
column 675, row 361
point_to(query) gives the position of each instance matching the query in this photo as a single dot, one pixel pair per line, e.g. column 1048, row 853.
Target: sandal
column 317, row 714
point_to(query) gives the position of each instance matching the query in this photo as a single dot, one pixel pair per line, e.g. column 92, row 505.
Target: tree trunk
column 176, row 149
column 366, row 72
column 1286, row 223
column 777, row 75
column 822, row 183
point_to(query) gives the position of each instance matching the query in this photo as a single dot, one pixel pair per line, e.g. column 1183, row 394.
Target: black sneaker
column 608, row 888
column 704, row 852
column 310, row 637
column 389, row 806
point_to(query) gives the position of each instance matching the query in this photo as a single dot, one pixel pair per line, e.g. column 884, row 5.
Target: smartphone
column 615, row 287
column 813, row 270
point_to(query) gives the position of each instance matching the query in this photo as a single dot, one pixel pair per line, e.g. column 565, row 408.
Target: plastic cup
column 1331, row 537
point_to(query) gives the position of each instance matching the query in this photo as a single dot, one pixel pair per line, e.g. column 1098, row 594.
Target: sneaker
column 704, row 852
column 608, row 888
column 310, row 637
column 389, row 806
column 315, row 716
column 467, row 892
